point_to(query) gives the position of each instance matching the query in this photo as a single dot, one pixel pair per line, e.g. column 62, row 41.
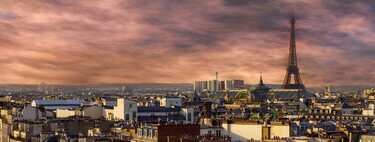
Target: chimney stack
column 217, row 76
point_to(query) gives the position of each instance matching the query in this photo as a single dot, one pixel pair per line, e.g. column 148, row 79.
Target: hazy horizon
column 160, row 83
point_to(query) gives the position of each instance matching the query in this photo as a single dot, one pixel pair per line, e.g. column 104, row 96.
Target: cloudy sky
column 118, row 41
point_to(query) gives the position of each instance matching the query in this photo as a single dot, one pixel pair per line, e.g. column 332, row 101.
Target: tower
column 260, row 91
column 292, row 70
column 261, row 80
column 217, row 76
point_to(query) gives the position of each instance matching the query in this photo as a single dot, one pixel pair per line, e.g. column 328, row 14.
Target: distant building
column 221, row 85
column 234, row 84
column 238, row 84
column 204, row 85
column 42, row 87
column 171, row 101
column 228, row 85
column 198, row 86
column 214, row 86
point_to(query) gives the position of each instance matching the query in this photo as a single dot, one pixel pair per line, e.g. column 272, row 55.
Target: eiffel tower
column 292, row 70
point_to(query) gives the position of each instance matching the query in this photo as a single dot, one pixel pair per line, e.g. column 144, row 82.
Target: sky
column 173, row 41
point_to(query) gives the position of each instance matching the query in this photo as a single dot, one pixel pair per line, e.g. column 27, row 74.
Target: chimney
column 217, row 76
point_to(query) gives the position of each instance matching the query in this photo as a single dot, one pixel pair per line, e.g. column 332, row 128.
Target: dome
column 243, row 94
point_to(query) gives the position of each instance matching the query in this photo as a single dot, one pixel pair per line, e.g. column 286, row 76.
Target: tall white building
column 189, row 115
column 213, row 86
column 204, row 85
column 125, row 110
column 228, row 85
column 198, row 86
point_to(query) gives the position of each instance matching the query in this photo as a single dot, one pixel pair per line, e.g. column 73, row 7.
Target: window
column 218, row 133
column 153, row 133
column 209, row 132
column 127, row 117
column 189, row 116
column 134, row 114
column 130, row 105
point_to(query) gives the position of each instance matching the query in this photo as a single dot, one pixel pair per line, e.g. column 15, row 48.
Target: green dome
column 243, row 94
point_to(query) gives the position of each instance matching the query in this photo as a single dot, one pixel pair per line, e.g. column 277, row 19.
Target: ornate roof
column 289, row 94
column 195, row 97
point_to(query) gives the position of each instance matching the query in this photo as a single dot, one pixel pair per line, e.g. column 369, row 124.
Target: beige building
column 367, row 138
column 171, row 101
column 94, row 112
column 125, row 110
column 246, row 130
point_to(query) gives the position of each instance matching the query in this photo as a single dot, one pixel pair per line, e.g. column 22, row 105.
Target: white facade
column 61, row 113
column 189, row 115
column 31, row 113
column 108, row 113
column 217, row 131
column 243, row 131
column 368, row 112
column 169, row 102
column 125, row 110
column 213, row 86
column 282, row 131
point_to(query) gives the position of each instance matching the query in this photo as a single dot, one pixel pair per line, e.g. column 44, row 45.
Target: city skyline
column 89, row 42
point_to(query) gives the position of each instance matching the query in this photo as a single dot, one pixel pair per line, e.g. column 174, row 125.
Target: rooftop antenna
column 261, row 79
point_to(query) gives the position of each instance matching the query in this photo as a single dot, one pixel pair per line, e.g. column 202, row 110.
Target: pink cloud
column 81, row 42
